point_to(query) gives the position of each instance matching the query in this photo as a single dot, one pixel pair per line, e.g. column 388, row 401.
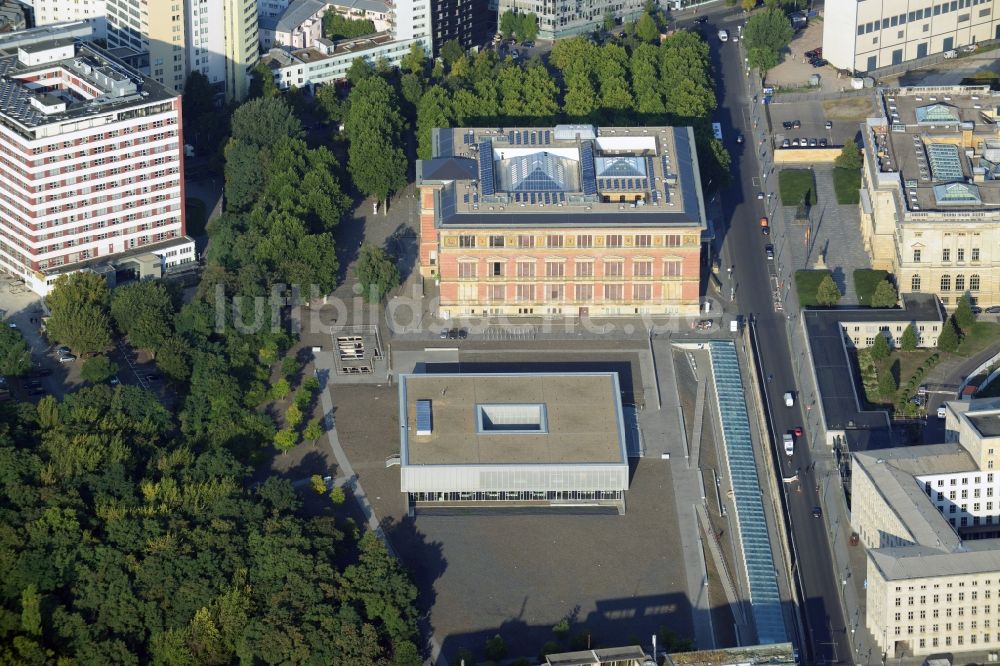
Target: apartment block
column 929, row 517
column 565, row 18
column 61, row 11
column 153, row 28
column 242, row 44
column 468, row 22
column 573, row 220
column 91, row 175
column 863, row 36
column 930, row 197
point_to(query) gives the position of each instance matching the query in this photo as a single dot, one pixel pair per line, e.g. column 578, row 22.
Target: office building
column 62, row 11
column 168, row 40
column 573, row 220
column 929, row 519
column 323, row 61
column 300, row 25
column 468, row 22
column 93, row 172
column 930, row 197
column 565, row 18
column 867, row 35
column 545, row 439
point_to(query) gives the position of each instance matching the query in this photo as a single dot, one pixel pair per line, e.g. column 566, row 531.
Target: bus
column 717, row 131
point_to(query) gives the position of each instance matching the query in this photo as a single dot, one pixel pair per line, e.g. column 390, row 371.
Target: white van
column 789, row 444
column 723, row 35
column 950, row 54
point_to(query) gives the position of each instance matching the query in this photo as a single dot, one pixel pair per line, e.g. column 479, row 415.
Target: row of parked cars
column 804, row 143
column 816, row 57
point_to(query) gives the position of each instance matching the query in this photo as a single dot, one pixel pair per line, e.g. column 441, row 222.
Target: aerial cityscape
column 507, row 333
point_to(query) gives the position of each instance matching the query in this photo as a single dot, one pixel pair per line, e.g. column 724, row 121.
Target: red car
column 797, row 431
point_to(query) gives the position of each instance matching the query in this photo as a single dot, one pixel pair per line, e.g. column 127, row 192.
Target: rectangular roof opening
column 511, row 418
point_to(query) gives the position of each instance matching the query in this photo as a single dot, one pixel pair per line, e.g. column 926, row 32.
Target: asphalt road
column 743, row 248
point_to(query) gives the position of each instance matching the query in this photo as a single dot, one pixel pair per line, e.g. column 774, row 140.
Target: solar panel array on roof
column 764, row 598
column 424, row 426
column 486, row 184
column 588, row 173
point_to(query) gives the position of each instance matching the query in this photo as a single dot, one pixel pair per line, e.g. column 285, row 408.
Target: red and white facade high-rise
column 91, row 164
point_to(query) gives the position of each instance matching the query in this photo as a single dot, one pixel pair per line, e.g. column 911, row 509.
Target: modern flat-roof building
column 93, row 169
column 544, row 439
column 573, row 220
column 300, row 24
column 862, row 36
column 565, row 18
column 61, row 11
column 929, row 518
column 930, row 198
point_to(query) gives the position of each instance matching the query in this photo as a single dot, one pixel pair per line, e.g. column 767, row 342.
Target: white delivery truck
column 723, row 35
column 789, row 443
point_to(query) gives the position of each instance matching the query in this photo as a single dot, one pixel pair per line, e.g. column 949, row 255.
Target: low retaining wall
column 806, row 155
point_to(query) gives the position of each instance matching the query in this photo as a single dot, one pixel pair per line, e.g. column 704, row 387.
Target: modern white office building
column 862, row 36
column 929, row 517
column 92, row 170
column 545, row 439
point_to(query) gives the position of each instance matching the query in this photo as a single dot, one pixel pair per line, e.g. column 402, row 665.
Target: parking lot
column 521, row 573
column 845, row 117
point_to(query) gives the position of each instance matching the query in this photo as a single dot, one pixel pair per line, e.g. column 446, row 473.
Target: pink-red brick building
column 573, row 220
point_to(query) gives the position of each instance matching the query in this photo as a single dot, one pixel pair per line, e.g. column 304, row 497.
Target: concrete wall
column 806, row 155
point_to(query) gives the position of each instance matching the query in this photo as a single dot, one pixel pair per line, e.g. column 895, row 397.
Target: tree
column 763, row 59
column 290, row 366
column 508, row 24
column 293, row 416
column 98, row 369
column 948, row 340
column 376, row 273
column 451, row 51
column 885, row 295
column 827, row 294
column 79, row 306
column 647, row 30
column 769, row 29
column 379, row 583
column 376, row 159
column 415, row 60
column 748, row 5
column 360, row 70
column 262, row 82
column 31, row 610
column 302, row 398
column 433, row 111
column 337, row 26
column 280, row 389
column 880, row 349
column 908, row 341
column 528, row 28
column 285, row 440
column 849, row 158
column 887, row 384
column 143, row 312
column 337, row 495
column 15, row 359
column 609, row 21
column 263, row 122
column 313, row 431
column 318, row 484
column 496, row 649
column 964, row 317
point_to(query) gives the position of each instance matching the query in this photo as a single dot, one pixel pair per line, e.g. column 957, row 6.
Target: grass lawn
column 865, row 281
column 846, row 185
column 196, row 216
column 793, row 184
column 979, row 337
column 806, row 284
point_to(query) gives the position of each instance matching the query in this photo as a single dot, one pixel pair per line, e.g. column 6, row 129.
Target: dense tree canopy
column 374, row 128
column 14, row 356
column 765, row 35
column 79, row 306
column 376, row 273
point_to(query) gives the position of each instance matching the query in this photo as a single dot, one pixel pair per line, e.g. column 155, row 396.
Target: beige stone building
column 929, row 517
column 930, row 198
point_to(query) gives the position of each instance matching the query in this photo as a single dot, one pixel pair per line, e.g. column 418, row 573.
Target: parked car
column 797, row 431
column 971, row 48
column 760, row 195
column 822, row 143
column 993, row 309
column 817, row 512
column 829, row 124
column 818, row 63
column 769, row 252
column 976, row 309
column 705, row 325
column 795, row 142
column 527, row 45
column 796, row 124
column 114, row 381
column 813, row 143
column 942, row 412
column 789, row 399
column 786, row 143
column 739, row 138
column 948, row 55
column 788, row 125
column 64, row 350
column 66, row 358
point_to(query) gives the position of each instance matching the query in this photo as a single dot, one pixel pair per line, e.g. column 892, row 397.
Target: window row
column 917, row 15
column 559, row 292
column 559, row 269
column 526, row 241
